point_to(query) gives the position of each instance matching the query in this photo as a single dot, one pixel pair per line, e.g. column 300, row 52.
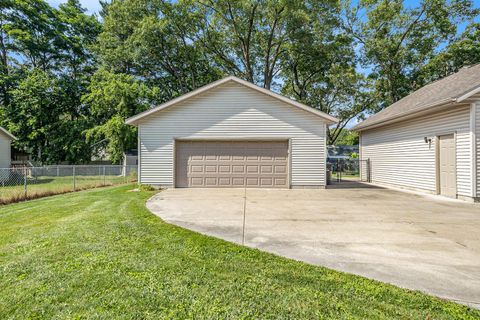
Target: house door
column 447, row 166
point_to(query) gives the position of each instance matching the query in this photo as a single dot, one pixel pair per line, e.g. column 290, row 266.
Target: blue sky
column 93, row 6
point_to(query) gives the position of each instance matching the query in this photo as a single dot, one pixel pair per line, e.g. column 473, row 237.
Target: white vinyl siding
column 399, row 155
column 233, row 111
column 4, row 151
column 477, row 147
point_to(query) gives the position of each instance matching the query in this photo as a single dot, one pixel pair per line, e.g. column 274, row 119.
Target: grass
column 101, row 254
column 50, row 185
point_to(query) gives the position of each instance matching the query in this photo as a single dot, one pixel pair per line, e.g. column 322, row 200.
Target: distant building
column 6, row 139
column 341, row 152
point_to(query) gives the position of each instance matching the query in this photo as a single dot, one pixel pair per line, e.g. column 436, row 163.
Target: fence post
column 104, row 175
column 25, row 182
column 338, row 170
column 58, row 171
column 73, row 173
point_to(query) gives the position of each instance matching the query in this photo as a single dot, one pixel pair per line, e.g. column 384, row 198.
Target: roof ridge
column 132, row 120
column 440, row 91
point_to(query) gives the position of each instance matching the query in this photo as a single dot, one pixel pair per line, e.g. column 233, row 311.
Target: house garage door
column 222, row 164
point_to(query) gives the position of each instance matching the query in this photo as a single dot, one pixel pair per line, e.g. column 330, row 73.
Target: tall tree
column 44, row 46
column 150, row 53
column 250, row 38
column 112, row 97
column 36, row 32
column 463, row 51
column 34, row 110
column 157, row 42
column 6, row 78
column 398, row 40
column 319, row 69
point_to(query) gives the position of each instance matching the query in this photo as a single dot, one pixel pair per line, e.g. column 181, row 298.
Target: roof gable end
column 7, row 134
column 135, row 119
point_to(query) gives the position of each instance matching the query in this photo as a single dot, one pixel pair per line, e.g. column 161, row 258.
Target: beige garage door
column 254, row 164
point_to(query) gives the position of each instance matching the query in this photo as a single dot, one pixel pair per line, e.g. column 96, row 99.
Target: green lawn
column 48, row 185
column 101, row 254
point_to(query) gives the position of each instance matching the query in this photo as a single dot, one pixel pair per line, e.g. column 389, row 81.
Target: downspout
column 473, row 135
column 139, row 152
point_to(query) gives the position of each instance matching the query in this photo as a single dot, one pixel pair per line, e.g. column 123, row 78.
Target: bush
column 146, row 187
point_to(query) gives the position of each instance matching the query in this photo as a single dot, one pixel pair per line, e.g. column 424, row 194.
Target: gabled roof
column 8, row 134
column 452, row 89
column 134, row 120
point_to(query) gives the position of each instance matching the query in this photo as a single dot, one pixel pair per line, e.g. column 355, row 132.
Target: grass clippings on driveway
column 102, row 254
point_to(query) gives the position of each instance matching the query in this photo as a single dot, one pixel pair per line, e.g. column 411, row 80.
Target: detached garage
column 430, row 140
column 232, row 133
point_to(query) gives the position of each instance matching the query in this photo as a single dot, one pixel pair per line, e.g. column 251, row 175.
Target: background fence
column 18, row 184
column 349, row 170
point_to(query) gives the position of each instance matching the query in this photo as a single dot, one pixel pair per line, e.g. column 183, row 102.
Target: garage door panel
column 211, row 181
column 266, row 182
column 238, row 182
column 224, row 182
column 252, row 182
column 196, row 182
column 266, row 169
column 211, row 168
column 238, row 169
column 252, row 168
column 232, row 164
column 224, row 169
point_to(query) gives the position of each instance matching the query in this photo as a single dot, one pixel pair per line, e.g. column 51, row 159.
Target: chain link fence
column 17, row 184
column 349, row 169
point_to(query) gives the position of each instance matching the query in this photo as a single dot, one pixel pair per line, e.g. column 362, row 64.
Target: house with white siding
column 232, row 133
column 430, row 140
column 6, row 139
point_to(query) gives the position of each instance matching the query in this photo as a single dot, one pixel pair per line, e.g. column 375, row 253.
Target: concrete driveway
column 409, row 240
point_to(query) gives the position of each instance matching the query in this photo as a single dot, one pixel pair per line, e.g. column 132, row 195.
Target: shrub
column 146, row 187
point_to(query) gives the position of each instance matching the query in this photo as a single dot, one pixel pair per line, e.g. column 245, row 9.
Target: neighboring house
column 232, row 133
column 21, row 158
column 6, row 139
column 341, row 152
column 429, row 140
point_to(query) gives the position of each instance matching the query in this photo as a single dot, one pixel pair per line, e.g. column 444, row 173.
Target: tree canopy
column 69, row 79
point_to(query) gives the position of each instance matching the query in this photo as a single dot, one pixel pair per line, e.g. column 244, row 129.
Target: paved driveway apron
column 409, row 240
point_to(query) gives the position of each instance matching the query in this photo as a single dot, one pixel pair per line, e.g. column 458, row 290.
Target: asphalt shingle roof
column 445, row 90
